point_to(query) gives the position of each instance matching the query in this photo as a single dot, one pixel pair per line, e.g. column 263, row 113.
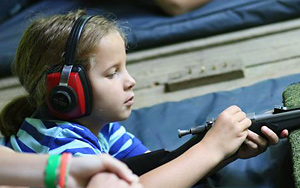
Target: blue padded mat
column 145, row 25
column 157, row 127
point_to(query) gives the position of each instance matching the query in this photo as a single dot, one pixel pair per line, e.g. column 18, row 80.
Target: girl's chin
column 125, row 115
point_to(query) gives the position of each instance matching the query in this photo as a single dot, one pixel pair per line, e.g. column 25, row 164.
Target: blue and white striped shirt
column 56, row 137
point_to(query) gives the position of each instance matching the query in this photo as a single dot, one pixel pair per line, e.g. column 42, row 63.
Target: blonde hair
column 42, row 46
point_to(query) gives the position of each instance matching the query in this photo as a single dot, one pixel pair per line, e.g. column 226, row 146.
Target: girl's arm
column 227, row 140
column 20, row 169
column 219, row 143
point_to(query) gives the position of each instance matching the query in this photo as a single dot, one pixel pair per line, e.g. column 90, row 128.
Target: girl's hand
column 229, row 132
column 255, row 144
column 82, row 169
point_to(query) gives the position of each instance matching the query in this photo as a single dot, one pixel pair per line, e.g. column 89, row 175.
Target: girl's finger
column 272, row 137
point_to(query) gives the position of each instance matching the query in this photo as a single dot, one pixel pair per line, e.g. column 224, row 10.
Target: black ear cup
column 63, row 99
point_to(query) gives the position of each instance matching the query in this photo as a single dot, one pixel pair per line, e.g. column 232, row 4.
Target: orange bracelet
column 64, row 170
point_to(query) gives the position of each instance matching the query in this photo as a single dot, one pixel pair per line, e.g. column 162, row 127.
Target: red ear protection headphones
column 68, row 91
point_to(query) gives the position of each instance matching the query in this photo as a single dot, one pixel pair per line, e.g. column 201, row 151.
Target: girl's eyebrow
column 112, row 66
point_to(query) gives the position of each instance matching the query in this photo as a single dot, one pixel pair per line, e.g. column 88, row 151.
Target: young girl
column 30, row 125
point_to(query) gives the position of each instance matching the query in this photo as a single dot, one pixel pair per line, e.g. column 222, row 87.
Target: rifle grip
column 256, row 127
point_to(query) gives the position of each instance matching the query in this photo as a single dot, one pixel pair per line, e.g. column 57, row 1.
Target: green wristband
column 50, row 172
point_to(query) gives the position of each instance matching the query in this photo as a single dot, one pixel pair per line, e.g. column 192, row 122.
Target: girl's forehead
column 111, row 39
column 110, row 50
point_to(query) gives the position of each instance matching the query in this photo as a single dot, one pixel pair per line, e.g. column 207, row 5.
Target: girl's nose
column 130, row 82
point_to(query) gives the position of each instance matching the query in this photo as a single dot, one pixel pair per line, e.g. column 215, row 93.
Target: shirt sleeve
column 122, row 144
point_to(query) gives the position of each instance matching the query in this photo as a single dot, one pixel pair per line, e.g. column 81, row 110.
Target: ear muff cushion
column 79, row 80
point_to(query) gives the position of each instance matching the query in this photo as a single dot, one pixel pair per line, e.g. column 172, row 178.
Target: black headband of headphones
column 71, row 46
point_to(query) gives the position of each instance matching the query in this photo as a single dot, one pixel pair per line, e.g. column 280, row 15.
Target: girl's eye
column 112, row 74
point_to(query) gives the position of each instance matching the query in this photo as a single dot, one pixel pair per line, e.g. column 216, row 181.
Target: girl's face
column 110, row 81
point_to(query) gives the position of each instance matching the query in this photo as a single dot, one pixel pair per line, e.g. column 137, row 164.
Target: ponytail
column 13, row 114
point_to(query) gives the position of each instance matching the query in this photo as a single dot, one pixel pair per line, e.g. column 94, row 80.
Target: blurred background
column 212, row 46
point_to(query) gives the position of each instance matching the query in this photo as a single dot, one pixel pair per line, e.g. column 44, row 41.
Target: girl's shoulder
column 55, row 137
column 113, row 128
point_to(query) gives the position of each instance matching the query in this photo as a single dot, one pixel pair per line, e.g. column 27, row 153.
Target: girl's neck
column 94, row 125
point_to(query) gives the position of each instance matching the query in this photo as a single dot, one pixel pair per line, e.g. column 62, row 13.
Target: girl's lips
column 130, row 101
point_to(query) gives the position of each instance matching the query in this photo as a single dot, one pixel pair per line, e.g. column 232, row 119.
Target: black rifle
column 278, row 119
